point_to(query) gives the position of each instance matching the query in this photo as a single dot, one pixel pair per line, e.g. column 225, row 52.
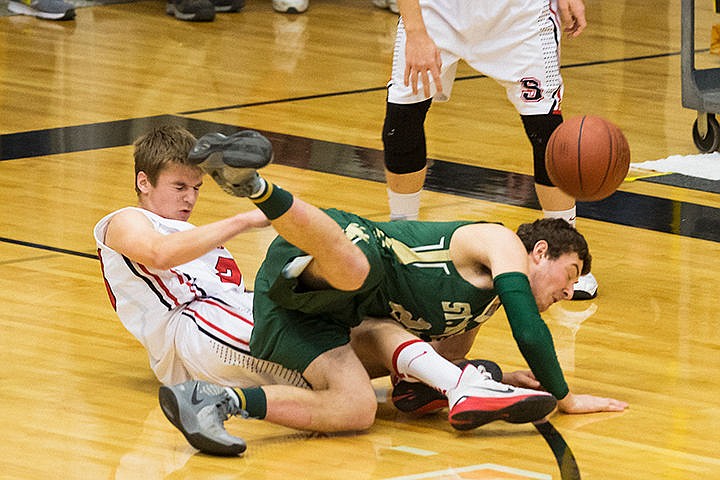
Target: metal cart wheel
column 710, row 141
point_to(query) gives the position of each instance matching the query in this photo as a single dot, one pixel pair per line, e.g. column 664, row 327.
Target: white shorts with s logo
column 514, row 42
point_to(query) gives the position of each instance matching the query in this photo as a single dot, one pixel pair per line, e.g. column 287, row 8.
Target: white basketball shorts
column 515, row 42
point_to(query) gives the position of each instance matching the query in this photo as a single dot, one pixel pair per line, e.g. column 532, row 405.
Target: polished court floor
column 79, row 398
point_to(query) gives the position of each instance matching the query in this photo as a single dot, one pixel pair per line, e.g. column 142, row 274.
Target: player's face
column 175, row 192
column 552, row 280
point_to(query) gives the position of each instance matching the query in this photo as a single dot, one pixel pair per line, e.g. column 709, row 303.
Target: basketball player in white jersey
column 179, row 293
column 516, row 43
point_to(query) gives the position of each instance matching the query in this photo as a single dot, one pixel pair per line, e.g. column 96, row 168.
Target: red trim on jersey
column 113, row 300
column 183, row 281
column 159, row 283
column 225, row 309
column 216, row 328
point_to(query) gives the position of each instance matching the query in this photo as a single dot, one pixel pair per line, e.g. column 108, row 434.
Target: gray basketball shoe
column 46, row 9
column 198, row 410
column 228, row 6
column 191, row 10
column 232, row 160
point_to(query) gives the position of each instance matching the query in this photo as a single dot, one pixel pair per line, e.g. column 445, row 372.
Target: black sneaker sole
column 231, row 6
column 200, row 15
column 527, row 410
column 171, row 409
column 580, row 295
column 255, row 150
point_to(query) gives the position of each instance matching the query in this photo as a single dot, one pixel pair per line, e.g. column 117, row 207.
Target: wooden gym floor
column 79, row 400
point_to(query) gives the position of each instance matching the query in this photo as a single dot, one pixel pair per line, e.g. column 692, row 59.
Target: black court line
column 561, row 450
column 47, row 247
column 684, row 181
column 458, row 79
column 623, row 208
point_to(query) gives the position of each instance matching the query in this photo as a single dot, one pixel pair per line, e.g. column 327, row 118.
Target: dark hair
column 160, row 147
column 560, row 236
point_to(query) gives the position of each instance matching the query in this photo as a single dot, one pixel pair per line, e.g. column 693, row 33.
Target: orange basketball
column 587, row 157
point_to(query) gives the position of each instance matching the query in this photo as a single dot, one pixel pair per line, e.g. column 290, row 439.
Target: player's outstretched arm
column 130, row 233
column 589, row 404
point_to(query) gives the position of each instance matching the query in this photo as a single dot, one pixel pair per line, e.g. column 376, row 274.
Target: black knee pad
column 538, row 129
column 404, row 137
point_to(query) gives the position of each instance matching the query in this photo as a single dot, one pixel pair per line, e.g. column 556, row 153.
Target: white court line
column 453, row 472
column 414, row 451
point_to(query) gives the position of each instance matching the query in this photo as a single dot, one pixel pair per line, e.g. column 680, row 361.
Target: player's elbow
column 161, row 261
column 359, row 269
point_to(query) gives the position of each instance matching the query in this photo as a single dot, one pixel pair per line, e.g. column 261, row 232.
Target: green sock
column 253, row 401
column 273, row 201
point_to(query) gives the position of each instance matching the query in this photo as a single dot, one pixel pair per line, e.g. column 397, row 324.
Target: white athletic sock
column 567, row 215
column 404, row 206
column 419, row 361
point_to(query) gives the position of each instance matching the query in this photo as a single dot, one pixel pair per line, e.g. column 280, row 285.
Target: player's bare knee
column 345, row 387
column 363, row 413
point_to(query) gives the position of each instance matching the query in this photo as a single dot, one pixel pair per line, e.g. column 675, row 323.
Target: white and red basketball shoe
column 478, row 399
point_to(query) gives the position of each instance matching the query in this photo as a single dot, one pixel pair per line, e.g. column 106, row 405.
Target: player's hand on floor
column 590, row 404
column 521, row 378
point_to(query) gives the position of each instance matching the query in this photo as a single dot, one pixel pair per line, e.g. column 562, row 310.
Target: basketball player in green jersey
column 331, row 271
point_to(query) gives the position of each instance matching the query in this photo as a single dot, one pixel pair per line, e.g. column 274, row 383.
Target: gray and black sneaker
column 232, row 160
column 191, row 10
column 46, row 9
column 228, row 6
column 199, row 410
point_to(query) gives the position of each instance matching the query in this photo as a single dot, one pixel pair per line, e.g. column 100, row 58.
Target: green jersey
column 411, row 280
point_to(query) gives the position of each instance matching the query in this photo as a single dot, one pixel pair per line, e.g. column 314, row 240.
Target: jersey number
column 228, row 271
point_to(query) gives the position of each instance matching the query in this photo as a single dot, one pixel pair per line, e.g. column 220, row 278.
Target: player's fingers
column 580, row 27
column 576, row 28
column 435, row 71
column 610, row 405
column 576, row 17
column 426, row 83
column 411, row 80
column 617, row 405
column 566, row 19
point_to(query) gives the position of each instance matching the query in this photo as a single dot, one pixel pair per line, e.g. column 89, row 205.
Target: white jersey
column 194, row 320
column 515, row 42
